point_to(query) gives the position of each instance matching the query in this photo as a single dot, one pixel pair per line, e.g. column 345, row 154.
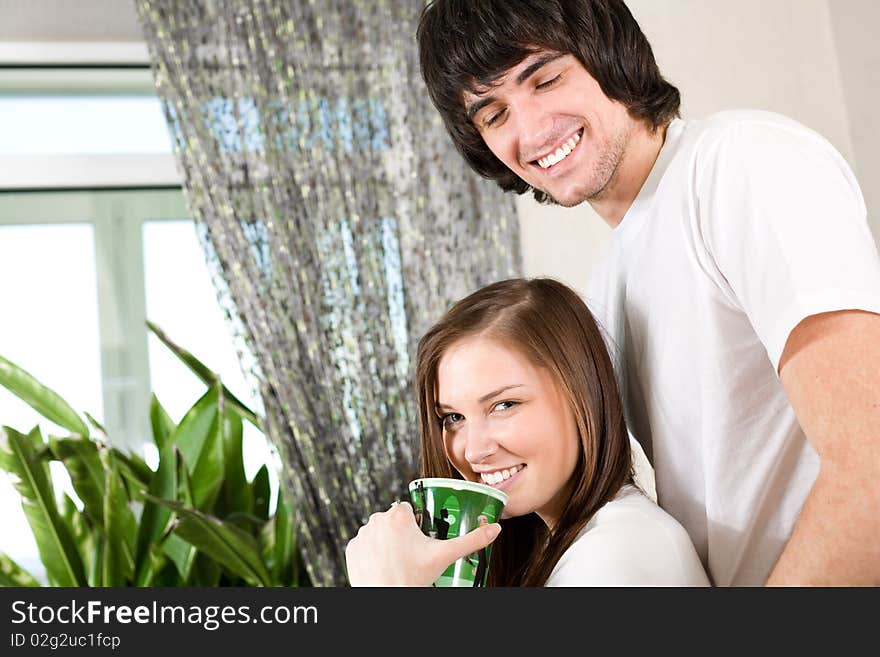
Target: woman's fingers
column 391, row 550
column 454, row 548
column 403, row 508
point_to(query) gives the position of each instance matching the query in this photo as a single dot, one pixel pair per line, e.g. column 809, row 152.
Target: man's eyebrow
column 543, row 60
column 482, row 400
column 524, row 75
column 480, row 104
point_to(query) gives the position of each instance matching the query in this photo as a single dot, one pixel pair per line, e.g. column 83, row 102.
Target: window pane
column 48, row 297
column 182, row 301
column 83, row 125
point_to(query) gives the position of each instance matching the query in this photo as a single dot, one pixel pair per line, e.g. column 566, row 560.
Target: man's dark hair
column 466, row 45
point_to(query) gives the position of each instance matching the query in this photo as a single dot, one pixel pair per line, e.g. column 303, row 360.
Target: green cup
column 447, row 508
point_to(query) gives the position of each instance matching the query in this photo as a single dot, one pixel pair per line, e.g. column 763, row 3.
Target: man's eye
column 494, row 118
column 549, row 83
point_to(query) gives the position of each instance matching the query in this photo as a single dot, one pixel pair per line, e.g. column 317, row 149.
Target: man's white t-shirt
column 747, row 224
column 630, row 541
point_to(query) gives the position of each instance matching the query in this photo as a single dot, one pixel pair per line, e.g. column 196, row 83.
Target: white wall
column 855, row 24
column 778, row 55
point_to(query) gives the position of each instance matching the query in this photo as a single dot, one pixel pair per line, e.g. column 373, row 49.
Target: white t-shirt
column 630, row 541
column 748, row 223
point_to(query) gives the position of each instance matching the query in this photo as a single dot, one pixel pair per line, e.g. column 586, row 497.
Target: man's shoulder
column 746, row 118
column 699, row 147
column 750, row 129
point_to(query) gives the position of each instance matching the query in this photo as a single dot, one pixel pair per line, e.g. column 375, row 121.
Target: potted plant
column 196, row 520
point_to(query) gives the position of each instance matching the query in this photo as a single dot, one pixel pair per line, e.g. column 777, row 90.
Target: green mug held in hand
column 448, row 508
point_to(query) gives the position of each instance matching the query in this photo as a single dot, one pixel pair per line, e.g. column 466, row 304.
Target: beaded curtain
column 339, row 222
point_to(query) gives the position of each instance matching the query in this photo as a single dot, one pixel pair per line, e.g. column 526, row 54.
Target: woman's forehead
column 473, row 367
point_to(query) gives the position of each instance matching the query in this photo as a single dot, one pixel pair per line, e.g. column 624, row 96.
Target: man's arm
column 830, row 369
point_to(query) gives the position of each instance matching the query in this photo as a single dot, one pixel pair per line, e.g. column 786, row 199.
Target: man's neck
column 635, row 166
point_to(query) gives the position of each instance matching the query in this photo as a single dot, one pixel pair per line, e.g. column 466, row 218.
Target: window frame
column 87, row 171
column 117, row 218
column 116, row 194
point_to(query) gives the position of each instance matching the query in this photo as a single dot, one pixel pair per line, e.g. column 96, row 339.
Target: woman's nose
column 480, row 444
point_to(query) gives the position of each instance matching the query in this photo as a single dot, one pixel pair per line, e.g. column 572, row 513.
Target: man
column 742, row 288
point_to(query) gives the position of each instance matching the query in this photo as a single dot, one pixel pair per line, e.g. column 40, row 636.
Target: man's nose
column 480, row 443
column 534, row 124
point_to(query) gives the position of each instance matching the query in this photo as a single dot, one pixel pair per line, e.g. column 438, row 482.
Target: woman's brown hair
column 550, row 324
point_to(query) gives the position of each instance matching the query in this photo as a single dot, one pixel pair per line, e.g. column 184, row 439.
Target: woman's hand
column 391, row 550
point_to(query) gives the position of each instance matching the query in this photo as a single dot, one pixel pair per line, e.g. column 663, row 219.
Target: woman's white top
column 630, row 541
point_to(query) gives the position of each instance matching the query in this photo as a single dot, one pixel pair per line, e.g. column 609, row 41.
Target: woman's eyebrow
column 482, row 400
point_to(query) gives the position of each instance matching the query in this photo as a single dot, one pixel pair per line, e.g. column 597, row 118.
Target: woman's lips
column 507, row 483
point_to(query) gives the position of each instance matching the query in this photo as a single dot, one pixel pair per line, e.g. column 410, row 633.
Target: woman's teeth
column 561, row 153
column 498, row 476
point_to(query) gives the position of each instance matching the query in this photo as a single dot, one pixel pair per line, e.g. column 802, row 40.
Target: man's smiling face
column 549, row 122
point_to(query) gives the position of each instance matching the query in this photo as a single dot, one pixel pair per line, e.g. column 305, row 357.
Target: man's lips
column 560, row 152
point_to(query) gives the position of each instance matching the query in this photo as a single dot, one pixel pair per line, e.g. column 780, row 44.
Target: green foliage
column 194, row 521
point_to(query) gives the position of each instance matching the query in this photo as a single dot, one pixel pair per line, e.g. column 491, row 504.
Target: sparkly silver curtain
column 340, row 223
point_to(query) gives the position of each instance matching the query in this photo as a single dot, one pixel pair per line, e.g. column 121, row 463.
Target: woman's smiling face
column 507, row 423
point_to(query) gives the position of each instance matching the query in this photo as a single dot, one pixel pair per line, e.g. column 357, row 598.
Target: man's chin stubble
column 595, row 196
column 611, row 159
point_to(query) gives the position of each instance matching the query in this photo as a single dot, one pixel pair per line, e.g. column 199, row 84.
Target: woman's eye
column 449, row 420
column 505, row 405
column 549, row 83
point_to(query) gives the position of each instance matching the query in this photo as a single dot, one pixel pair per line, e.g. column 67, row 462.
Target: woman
column 516, row 390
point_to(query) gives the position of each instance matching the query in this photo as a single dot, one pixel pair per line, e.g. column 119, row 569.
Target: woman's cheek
column 453, row 445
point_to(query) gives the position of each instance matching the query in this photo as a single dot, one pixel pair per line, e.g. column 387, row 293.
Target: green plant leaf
column 120, row 528
column 74, row 519
column 155, row 517
column 11, row 574
column 30, row 475
column 84, row 537
column 162, row 424
column 266, row 539
column 224, row 542
column 135, row 473
column 97, row 425
column 207, row 572
column 80, row 457
column 181, row 552
column 155, row 571
column 247, row 521
column 277, row 543
column 196, row 427
column 138, row 466
column 236, row 492
column 205, row 374
column 43, row 400
column 285, row 542
column 207, row 471
column 261, row 493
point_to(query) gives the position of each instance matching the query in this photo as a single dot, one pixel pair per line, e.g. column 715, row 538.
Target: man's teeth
column 561, row 153
column 498, row 476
